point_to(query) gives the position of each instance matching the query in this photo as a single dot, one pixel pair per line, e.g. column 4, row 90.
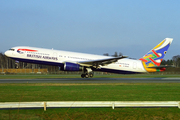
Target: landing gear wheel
column 87, row 75
column 90, row 75
column 83, row 75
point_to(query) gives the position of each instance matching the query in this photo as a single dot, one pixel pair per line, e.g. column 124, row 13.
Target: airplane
column 87, row 63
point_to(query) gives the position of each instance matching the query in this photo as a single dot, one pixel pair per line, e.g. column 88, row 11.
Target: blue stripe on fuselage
column 62, row 65
column 38, row 62
column 115, row 71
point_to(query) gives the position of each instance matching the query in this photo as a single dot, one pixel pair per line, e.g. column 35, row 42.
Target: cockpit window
column 11, row 49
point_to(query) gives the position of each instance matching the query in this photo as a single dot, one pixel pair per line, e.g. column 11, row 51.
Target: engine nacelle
column 72, row 67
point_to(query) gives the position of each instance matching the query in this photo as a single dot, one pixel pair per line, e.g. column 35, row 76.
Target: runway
column 93, row 80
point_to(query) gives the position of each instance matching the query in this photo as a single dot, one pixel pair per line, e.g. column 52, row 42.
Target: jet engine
column 72, row 67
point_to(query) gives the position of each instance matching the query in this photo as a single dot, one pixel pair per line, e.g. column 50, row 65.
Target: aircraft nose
column 7, row 53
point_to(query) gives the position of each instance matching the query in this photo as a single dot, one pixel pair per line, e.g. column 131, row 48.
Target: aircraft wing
column 102, row 62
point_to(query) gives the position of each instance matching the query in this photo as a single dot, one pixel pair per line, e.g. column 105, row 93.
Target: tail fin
column 154, row 57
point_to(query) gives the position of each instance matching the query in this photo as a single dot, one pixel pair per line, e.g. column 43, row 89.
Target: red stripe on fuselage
column 27, row 50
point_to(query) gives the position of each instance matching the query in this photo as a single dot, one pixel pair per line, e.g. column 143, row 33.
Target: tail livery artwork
column 87, row 63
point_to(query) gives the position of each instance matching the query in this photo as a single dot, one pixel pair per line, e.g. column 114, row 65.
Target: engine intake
column 72, row 67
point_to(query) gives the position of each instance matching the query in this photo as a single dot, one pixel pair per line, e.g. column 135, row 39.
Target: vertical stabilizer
column 155, row 56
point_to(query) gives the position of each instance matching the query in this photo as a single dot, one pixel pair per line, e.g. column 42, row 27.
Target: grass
column 92, row 113
column 90, row 92
column 39, row 76
column 83, row 92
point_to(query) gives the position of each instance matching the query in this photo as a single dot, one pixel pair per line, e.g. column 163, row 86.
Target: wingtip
column 125, row 56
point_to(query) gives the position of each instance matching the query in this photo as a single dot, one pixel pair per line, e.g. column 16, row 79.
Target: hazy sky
column 132, row 27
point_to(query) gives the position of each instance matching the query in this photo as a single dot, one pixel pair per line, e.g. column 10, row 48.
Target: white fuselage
column 57, row 57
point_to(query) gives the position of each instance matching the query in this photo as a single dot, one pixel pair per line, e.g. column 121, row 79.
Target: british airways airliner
column 87, row 63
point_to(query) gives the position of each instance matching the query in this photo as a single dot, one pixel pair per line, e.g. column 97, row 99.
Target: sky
column 132, row 27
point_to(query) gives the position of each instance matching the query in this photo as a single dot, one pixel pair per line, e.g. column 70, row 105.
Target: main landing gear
column 87, row 73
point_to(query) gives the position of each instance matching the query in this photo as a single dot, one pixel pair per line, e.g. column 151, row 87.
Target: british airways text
column 43, row 57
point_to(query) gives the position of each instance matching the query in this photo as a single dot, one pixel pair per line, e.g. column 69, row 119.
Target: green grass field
column 92, row 114
column 38, row 76
column 90, row 92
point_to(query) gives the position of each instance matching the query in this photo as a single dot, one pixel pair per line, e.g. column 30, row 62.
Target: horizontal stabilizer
column 161, row 66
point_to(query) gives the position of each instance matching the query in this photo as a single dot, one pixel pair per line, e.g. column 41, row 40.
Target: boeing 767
column 87, row 63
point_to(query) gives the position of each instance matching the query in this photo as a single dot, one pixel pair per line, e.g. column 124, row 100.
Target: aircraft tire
column 90, row 75
column 87, row 75
column 83, row 75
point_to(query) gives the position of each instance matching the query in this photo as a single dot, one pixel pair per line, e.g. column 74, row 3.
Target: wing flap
column 102, row 62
